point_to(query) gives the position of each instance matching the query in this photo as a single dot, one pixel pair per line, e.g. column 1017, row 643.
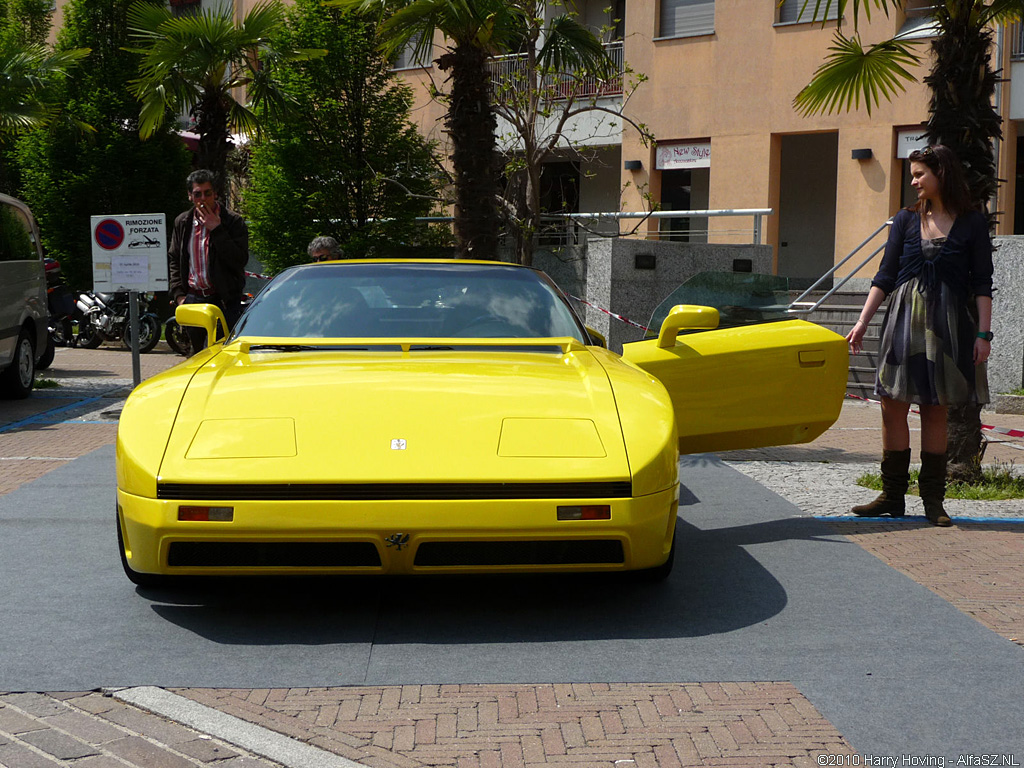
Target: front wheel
column 63, row 334
column 177, row 338
column 144, row 580
column 17, row 379
column 659, row 572
column 89, row 335
column 149, row 333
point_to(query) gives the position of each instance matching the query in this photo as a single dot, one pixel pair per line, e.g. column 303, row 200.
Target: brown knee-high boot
column 895, row 480
column 932, row 483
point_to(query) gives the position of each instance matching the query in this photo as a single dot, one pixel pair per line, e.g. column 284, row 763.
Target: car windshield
column 409, row 300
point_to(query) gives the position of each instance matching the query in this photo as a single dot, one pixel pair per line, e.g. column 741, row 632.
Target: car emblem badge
column 398, row 444
column 397, row 540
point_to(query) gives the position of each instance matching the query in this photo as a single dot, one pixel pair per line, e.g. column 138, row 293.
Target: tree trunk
column 966, row 445
column 962, row 85
column 212, row 127
column 471, row 125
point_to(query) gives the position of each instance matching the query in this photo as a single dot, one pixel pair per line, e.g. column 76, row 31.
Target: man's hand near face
column 208, row 215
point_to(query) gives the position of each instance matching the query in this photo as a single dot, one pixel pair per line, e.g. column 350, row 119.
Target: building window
column 180, row 8
column 407, row 59
column 802, row 11
column 684, row 18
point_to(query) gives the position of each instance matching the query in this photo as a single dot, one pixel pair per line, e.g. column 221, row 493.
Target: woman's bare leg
column 895, row 430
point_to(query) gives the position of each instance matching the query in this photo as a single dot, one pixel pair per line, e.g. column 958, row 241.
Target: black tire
column 46, row 360
column 144, row 580
column 88, row 336
column 17, row 379
column 177, row 338
column 149, row 334
column 659, row 572
column 63, row 333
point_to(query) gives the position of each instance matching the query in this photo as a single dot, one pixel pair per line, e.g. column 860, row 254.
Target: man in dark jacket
column 208, row 253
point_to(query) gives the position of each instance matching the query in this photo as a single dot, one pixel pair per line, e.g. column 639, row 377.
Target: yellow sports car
column 410, row 417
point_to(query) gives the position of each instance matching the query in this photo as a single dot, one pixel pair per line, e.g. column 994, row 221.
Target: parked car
column 419, row 417
column 24, row 332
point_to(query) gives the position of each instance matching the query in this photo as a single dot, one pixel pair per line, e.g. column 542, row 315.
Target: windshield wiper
column 304, row 348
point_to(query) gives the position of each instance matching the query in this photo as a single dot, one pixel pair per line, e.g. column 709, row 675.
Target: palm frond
column 1001, row 12
column 851, row 72
column 569, row 47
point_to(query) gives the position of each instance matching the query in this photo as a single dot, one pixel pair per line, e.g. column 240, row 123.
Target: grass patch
column 46, row 384
column 997, row 483
column 1019, row 392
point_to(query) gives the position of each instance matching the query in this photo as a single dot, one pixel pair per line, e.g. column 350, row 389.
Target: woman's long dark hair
column 943, row 162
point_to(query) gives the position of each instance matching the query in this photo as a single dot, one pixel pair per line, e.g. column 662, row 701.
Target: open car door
column 746, row 387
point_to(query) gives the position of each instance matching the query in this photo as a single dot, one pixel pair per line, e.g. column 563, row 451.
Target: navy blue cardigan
column 964, row 263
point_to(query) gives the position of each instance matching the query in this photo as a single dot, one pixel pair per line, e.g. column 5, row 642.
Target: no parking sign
column 129, row 252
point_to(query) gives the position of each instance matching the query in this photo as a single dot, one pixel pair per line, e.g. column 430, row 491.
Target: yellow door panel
column 752, row 386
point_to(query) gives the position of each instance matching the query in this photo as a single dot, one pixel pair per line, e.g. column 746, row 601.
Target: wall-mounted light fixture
column 633, row 165
column 861, row 154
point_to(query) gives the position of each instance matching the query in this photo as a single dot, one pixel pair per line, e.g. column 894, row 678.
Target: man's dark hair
column 202, row 176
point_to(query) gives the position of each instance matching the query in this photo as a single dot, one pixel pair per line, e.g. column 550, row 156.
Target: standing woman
column 938, row 261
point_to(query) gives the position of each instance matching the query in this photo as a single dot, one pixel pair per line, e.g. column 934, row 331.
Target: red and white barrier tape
column 608, row 312
column 261, row 277
column 997, row 430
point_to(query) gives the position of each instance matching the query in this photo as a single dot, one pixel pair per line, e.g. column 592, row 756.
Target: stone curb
column 253, row 738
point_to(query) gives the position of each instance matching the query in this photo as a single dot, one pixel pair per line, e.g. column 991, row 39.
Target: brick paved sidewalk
column 90, row 730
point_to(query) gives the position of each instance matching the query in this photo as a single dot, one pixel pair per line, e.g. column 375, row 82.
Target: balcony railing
column 510, row 71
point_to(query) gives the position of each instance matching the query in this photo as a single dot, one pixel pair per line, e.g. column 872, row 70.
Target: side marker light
column 588, row 512
column 206, row 514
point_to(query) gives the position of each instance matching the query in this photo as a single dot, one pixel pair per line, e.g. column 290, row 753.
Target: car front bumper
column 396, row 537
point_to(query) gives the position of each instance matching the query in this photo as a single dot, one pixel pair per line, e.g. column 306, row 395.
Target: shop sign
column 690, row 154
column 908, row 141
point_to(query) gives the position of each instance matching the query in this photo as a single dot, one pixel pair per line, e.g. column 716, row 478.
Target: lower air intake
column 216, row 554
column 449, row 553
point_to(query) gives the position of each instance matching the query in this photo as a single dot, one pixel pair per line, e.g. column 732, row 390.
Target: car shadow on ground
column 717, row 586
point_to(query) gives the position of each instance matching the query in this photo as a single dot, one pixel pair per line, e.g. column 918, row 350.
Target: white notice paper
column 129, row 270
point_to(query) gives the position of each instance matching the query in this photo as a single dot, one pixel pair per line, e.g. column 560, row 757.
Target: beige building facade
column 721, row 78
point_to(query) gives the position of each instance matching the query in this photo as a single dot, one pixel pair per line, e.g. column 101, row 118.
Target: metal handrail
column 807, row 307
column 757, row 213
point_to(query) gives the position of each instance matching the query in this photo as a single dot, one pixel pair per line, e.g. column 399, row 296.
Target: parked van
column 23, row 312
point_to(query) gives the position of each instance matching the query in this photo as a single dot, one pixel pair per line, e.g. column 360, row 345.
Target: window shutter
column 790, row 10
column 680, row 18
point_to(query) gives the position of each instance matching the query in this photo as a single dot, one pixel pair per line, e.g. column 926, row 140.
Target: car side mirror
column 205, row 316
column 599, row 339
column 686, row 317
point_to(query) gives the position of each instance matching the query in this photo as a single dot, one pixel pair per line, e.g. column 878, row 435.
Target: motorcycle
column 60, row 300
column 104, row 317
column 177, row 338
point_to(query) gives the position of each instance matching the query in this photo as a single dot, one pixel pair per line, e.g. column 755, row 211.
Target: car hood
column 464, row 415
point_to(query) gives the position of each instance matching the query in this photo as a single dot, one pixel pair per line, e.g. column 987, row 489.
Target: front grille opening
column 571, row 552
column 297, row 554
column 614, row 489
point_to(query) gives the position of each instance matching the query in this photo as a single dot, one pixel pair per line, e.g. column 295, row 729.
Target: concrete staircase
column 839, row 313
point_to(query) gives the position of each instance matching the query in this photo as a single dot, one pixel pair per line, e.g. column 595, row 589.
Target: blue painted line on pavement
column 919, row 518
column 39, row 417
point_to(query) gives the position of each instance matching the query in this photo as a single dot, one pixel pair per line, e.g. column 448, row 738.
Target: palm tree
column 26, row 74
column 962, row 83
column 199, row 63
column 473, row 30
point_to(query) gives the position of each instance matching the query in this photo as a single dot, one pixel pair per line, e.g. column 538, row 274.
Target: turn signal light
column 206, row 514
column 588, row 512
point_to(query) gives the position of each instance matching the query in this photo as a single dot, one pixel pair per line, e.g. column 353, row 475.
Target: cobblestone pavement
column 976, row 566
column 89, row 730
